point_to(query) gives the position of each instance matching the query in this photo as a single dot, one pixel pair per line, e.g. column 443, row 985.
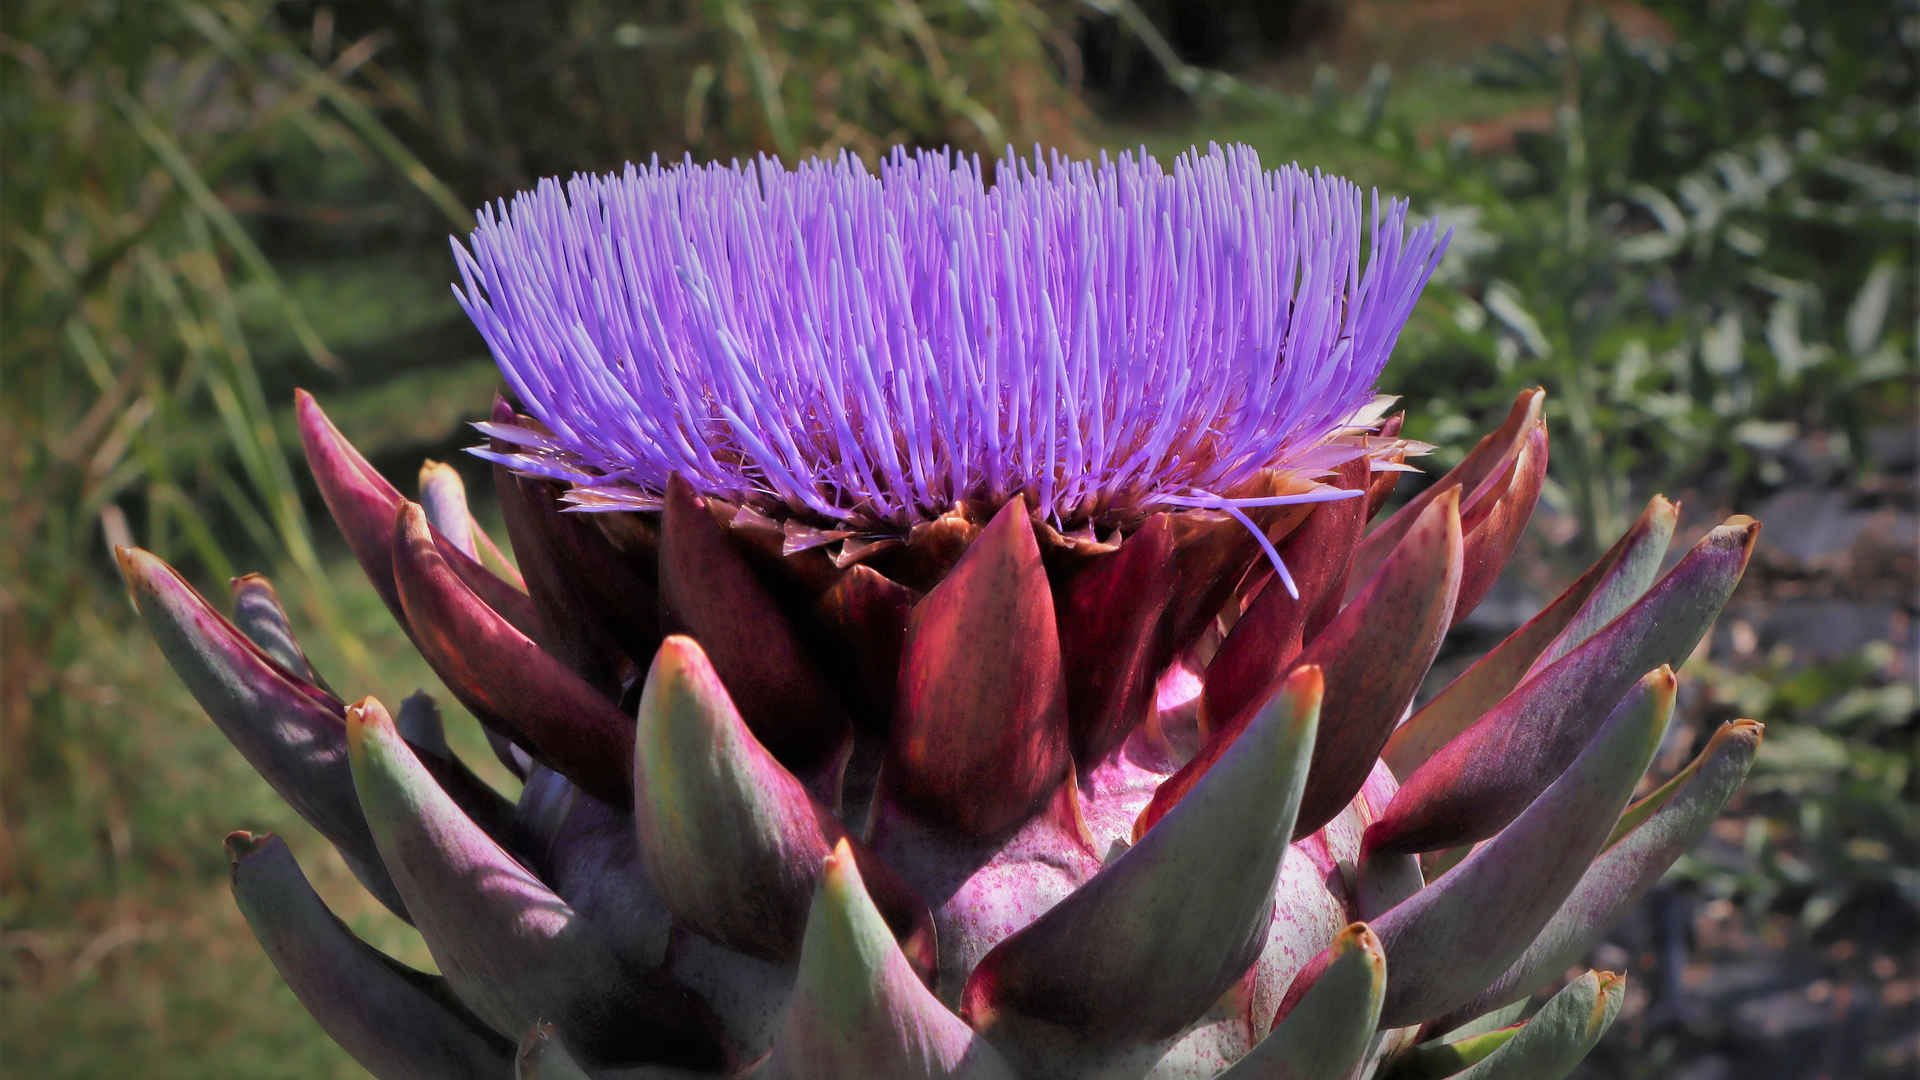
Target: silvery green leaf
column 1721, row 344
column 1775, row 163
column 1765, row 434
column 1867, row 315
column 1649, row 247
column 1707, row 204
column 1504, row 304
column 1809, row 81
column 1469, row 316
column 1741, row 183
column 1783, row 337
column 1632, row 362
column 1745, row 241
column 1656, row 202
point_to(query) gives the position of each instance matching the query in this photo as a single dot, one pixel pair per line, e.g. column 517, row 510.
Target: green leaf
column 1867, row 315
column 1503, row 302
column 1783, row 337
column 1721, row 345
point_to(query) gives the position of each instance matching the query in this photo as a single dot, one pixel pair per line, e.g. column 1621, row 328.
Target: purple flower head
column 865, row 351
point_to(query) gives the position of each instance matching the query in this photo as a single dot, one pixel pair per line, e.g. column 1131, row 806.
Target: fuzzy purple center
column 868, row 350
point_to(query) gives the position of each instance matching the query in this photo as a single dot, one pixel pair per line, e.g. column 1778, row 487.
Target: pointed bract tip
column 682, row 665
column 677, row 655
column 1745, row 728
column 310, row 417
column 1528, row 406
column 410, row 518
column 1613, row 988
column 534, row 1045
column 678, row 490
column 839, row 863
column 144, row 572
column 1305, row 686
column 240, row 843
column 1010, row 516
column 1359, row 936
column 130, row 560
column 361, row 715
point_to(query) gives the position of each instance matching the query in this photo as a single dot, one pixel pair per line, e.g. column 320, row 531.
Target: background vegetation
column 1695, row 223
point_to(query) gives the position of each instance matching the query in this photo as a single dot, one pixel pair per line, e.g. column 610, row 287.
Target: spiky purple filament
column 1107, row 338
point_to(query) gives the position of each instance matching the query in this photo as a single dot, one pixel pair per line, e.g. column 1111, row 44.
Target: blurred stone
column 1895, row 449
column 1707, row 1068
column 1819, row 630
column 1810, row 525
column 1787, row 1012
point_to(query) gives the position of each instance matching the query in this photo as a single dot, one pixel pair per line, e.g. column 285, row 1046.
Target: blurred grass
column 212, row 203
column 123, row 941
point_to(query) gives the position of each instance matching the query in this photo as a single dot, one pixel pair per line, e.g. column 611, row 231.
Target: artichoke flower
column 951, row 637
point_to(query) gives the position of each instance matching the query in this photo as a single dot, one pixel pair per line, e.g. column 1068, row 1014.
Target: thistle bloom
column 866, row 352
column 893, row 677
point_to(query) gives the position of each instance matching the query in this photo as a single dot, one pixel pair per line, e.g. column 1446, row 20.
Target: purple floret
column 867, row 350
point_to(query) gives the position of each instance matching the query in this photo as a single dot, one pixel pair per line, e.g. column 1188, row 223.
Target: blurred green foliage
column 1710, row 253
column 1700, row 239
column 497, row 96
column 147, row 319
column 1707, row 254
column 1842, row 830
